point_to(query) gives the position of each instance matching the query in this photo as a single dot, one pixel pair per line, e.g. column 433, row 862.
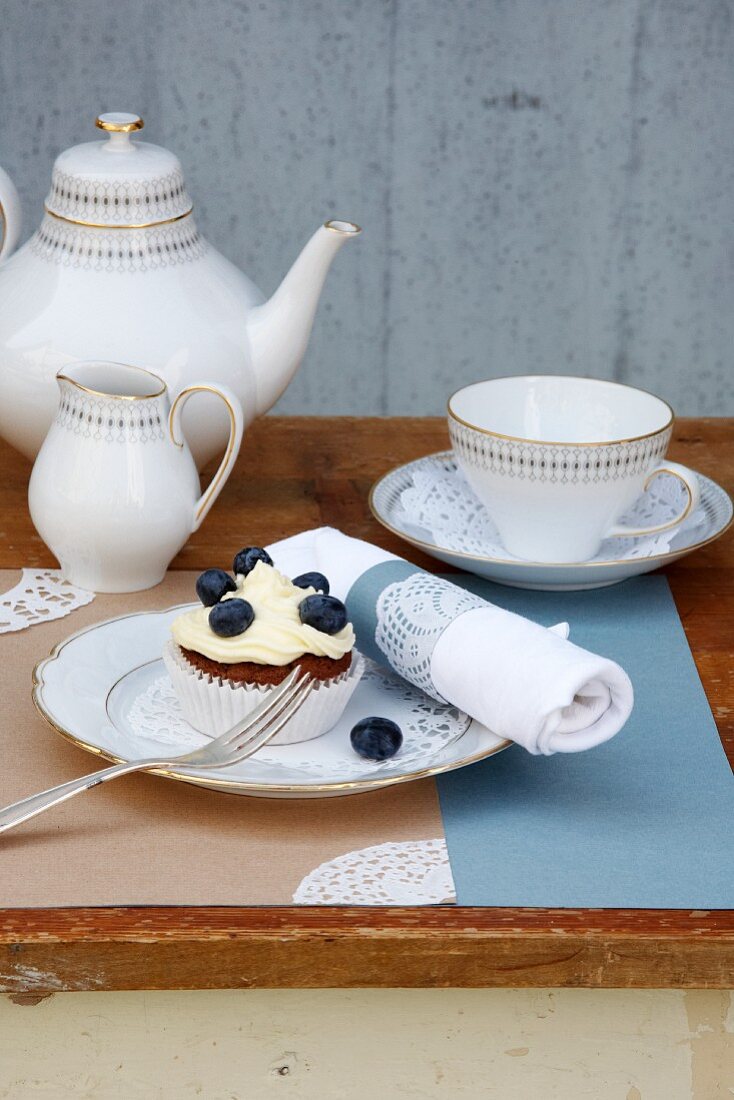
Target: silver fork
column 244, row 739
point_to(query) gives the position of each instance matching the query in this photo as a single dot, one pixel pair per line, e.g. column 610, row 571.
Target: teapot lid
column 119, row 183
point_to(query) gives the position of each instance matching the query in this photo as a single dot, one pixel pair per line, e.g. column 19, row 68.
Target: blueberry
column 312, row 580
column 324, row 613
column 212, row 584
column 231, row 617
column 376, row 738
column 248, row 558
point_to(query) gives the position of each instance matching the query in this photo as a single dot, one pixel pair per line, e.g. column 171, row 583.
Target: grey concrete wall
column 545, row 185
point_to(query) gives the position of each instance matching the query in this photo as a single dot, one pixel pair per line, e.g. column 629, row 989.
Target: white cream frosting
column 275, row 637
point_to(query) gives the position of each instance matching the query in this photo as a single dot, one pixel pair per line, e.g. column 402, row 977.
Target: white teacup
column 557, row 460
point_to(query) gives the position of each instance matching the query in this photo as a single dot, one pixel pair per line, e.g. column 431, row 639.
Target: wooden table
column 298, row 473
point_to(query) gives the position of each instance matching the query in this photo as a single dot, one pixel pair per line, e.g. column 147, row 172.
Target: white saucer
column 106, row 689
column 713, row 517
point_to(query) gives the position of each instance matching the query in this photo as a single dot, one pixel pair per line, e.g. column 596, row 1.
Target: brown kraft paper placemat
column 146, row 840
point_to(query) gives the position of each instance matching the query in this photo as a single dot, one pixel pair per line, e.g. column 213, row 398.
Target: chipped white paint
column 29, row 979
column 332, row 1044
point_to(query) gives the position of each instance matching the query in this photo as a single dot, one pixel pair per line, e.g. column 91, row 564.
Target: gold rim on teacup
column 555, row 442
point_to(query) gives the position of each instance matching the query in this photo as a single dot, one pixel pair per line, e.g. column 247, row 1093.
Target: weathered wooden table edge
column 323, row 476
column 321, row 947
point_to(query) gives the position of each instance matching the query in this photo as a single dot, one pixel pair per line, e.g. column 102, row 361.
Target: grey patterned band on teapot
column 399, row 613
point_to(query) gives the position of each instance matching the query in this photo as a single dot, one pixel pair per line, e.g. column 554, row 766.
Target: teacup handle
column 689, row 480
column 236, row 428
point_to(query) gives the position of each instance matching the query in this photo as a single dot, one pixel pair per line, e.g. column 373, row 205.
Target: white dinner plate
column 714, row 515
column 106, row 689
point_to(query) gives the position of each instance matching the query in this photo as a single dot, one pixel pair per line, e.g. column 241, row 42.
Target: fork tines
column 268, row 726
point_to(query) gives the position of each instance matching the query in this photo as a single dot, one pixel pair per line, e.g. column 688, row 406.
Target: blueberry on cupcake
column 212, row 584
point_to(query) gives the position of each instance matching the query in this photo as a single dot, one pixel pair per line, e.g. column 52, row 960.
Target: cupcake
column 250, row 631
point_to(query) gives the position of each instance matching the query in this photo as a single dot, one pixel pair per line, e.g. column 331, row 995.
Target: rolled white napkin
column 525, row 682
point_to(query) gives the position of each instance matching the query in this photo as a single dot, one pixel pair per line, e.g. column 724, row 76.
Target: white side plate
column 106, row 690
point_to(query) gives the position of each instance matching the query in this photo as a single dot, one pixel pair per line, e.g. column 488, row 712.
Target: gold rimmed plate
column 386, row 502
column 106, row 690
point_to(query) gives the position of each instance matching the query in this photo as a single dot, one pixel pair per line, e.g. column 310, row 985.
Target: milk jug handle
column 236, row 427
column 10, row 215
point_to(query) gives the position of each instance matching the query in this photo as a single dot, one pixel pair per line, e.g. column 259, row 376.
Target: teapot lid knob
column 119, row 122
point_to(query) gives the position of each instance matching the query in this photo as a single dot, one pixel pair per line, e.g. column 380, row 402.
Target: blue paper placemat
column 643, row 821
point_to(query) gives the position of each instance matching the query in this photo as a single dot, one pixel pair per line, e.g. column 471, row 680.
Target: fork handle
column 21, row 811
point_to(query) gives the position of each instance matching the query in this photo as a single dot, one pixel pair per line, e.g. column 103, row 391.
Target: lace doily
column 156, row 714
column 415, row 872
column 428, row 727
column 39, row 596
column 411, row 616
column 439, row 501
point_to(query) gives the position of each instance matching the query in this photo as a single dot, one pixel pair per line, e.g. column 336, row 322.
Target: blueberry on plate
column 312, row 580
column 212, row 584
column 376, row 738
column 324, row 613
column 248, row 558
column 231, row 617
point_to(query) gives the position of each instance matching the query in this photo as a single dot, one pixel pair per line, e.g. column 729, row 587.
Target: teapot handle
column 236, row 428
column 10, row 213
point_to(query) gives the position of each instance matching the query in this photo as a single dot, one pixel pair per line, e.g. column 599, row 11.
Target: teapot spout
column 279, row 329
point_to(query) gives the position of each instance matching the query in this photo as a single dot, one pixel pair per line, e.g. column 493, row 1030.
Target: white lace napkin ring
column 399, row 613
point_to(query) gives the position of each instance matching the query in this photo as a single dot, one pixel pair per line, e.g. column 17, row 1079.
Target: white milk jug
column 114, row 491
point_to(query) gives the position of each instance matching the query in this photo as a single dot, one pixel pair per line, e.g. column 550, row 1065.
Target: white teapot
column 118, row 270
column 114, row 490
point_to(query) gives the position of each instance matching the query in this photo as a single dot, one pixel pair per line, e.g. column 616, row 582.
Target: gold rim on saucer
column 521, row 562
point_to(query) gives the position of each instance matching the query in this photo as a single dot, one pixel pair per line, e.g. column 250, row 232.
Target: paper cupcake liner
column 212, row 705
